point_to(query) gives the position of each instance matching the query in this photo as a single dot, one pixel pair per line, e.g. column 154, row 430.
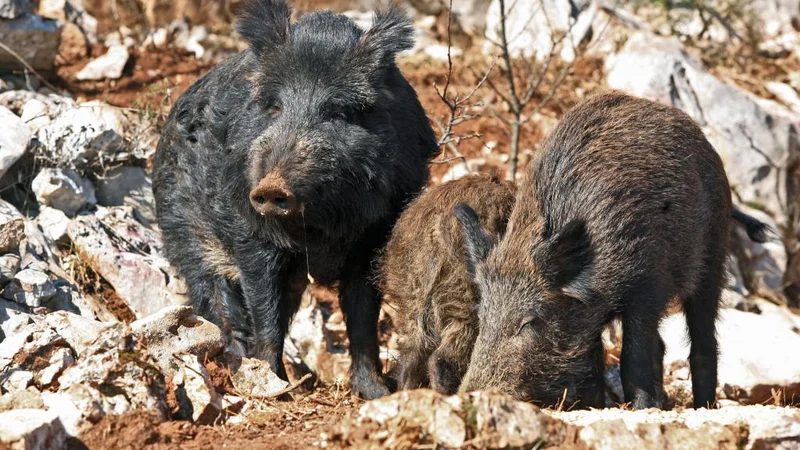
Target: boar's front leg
column 361, row 304
column 264, row 279
column 642, row 378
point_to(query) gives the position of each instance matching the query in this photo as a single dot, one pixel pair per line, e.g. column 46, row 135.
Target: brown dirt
column 289, row 425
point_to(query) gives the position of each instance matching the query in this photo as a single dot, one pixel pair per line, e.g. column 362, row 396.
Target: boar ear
column 392, row 32
column 264, row 24
column 477, row 241
column 564, row 257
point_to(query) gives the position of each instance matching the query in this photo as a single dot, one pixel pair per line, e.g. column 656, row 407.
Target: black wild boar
column 293, row 159
column 423, row 273
column 626, row 207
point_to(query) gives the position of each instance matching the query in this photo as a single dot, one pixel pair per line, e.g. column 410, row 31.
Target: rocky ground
column 97, row 347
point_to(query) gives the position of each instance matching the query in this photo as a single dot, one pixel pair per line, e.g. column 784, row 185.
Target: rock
column 12, row 227
column 196, row 391
column 318, row 335
column 79, row 136
column 32, row 429
column 74, row 44
column 63, row 189
column 531, row 25
column 735, row 427
column 13, row 318
column 117, row 365
column 34, row 38
column 775, row 16
column 141, row 278
column 14, row 140
column 30, row 398
column 31, row 286
column 424, row 417
column 127, row 185
column 60, row 360
column 9, row 266
column 752, row 358
column 53, row 223
column 11, row 9
column 16, row 380
column 78, row 331
column 78, row 406
column 471, row 15
column 157, row 38
column 754, row 137
column 785, row 93
column 255, row 378
column 29, row 351
column 35, row 114
column 175, row 330
column 106, row 67
column 16, row 100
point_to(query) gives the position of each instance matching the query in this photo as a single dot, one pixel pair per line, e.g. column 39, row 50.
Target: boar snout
column 272, row 197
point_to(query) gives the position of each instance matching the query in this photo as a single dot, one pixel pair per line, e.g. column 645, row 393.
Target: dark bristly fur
column 423, row 274
column 626, row 207
column 319, row 108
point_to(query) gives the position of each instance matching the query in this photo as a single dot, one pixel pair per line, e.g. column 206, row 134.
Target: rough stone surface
column 754, row 137
column 35, row 114
column 734, row 427
column 114, row 363
column 30, row 398
column 11, row 9
column 123, row 252
column 764, row 264
column 32, row 429
column 106, row 67
column 9, row 266
column 753, row 359
column 79, row 136
column 127, row 185
column 175, row 330
column 13, row 318
column 31, row 286
column 14, row 139
column 33, row 38
column 320, row 337
column 255, row 378
column 423, row 417
column 196, row 392
column 78, row 331
column 63, row 189
column 53, row 223
column 12, row 227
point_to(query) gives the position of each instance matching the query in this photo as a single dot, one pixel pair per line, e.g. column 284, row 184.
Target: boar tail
column 757, row 230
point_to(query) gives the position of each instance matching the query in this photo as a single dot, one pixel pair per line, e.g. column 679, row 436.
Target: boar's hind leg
column 449, row 362
column 701, row 314
column 361, row 304
column 264, row 280
column 642, row 382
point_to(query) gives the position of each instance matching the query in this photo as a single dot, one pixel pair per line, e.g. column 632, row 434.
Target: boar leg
column 449, row 362
column 640, row 341
column 413, row 372
column 701, row 315
column 361, row 304
column 264, row 280
column 592, row 391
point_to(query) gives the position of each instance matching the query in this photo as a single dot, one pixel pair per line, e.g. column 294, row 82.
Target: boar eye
column 274, row 108
column 527, row 324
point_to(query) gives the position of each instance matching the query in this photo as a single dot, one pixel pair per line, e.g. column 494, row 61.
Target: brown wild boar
column 423, row 273
column 625, row 208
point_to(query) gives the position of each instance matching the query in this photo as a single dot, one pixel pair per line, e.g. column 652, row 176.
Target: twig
column 30, row 68
column 277, row 394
